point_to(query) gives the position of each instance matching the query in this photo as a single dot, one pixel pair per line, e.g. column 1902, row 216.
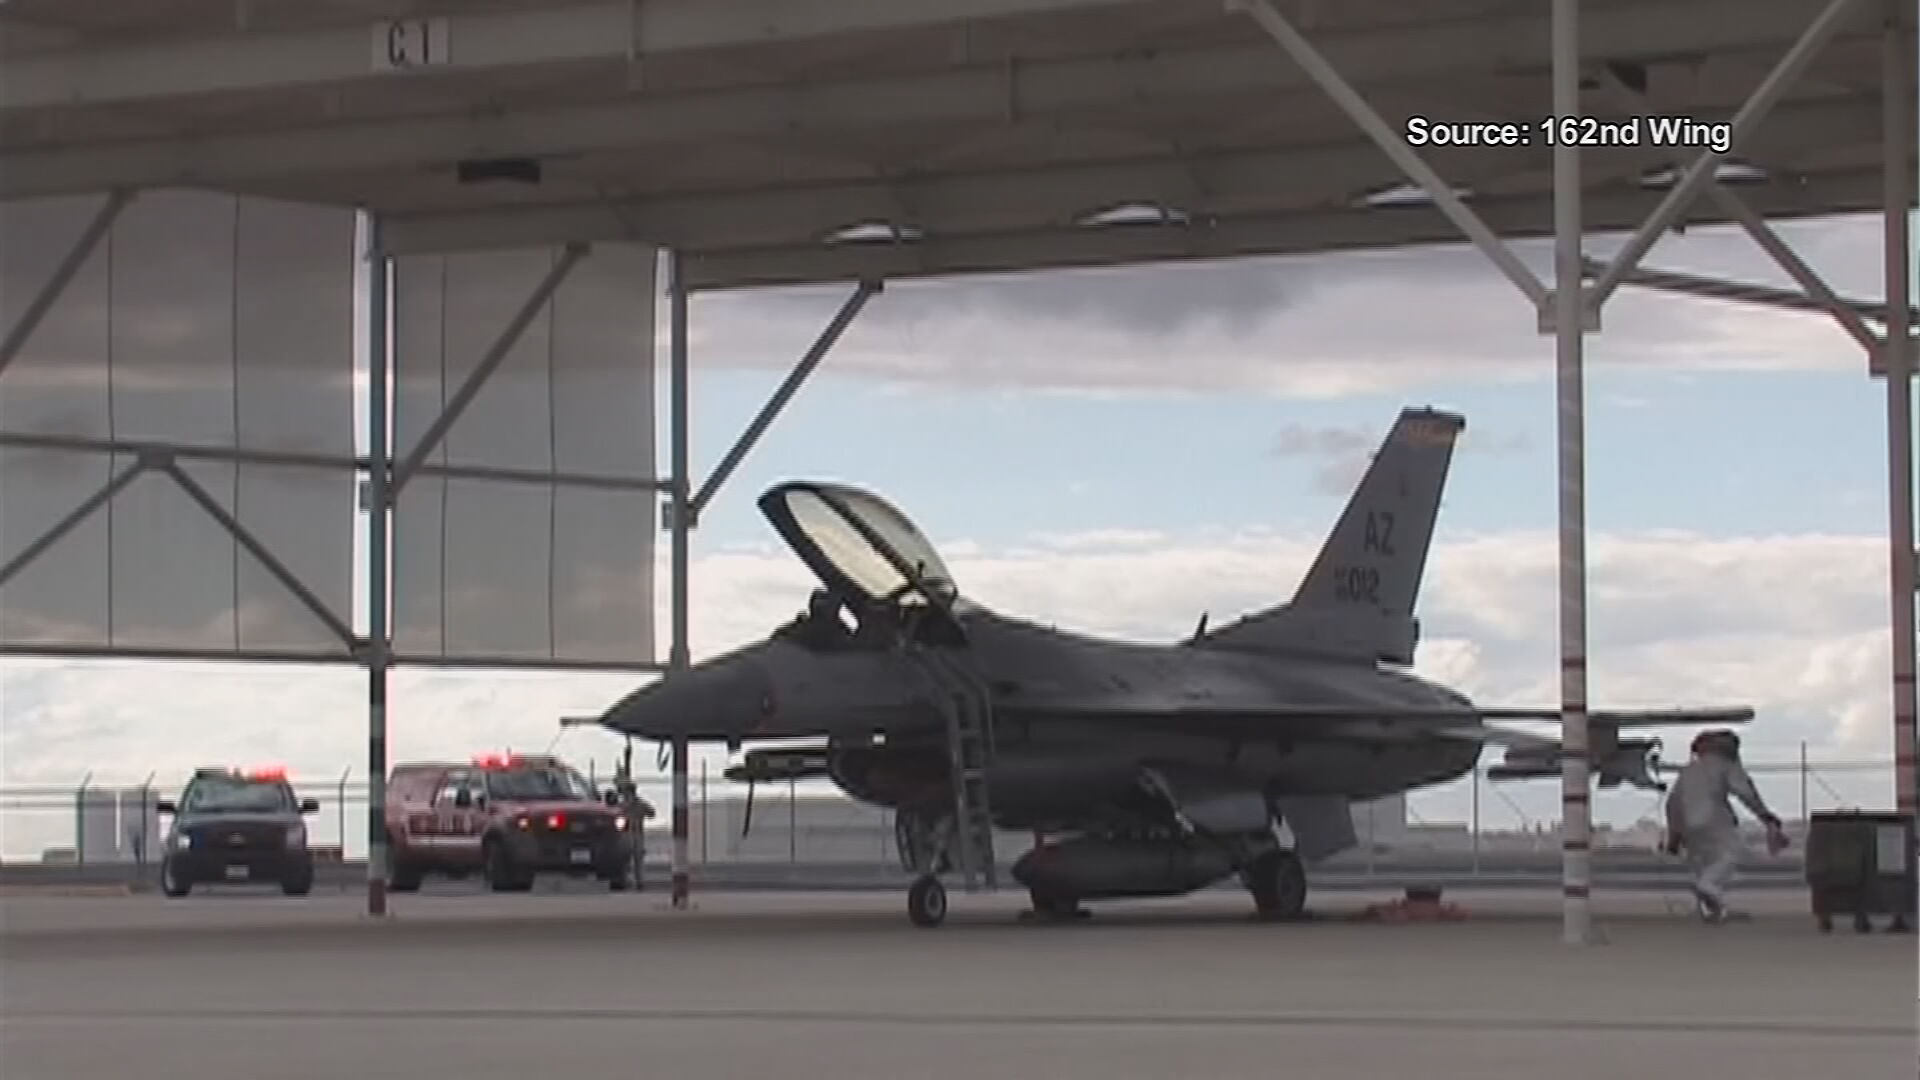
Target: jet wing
column 1378, row 721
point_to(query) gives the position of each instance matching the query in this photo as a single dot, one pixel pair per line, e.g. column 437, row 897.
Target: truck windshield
column 237, row 796
column 541, row 783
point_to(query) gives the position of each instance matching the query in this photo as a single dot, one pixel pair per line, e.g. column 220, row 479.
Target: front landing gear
column 927, row 901
column 1278, row 881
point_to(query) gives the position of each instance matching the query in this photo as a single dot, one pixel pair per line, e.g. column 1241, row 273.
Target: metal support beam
column 1432, row 47
column 493, row 358
column 259, row 551
column 1712, row 288
column 85, row 444
column 1417, row 170
column 72, row 521
column 1682, row 194
column 524, row 663
column 788, row 387
column 478, row 43
column 87, row 651
column 1569, row 325
column 379, row 648
column 679, row 652
column 1896, row 71
column 1818, row 296
column 1613, row 208
column 63, row 274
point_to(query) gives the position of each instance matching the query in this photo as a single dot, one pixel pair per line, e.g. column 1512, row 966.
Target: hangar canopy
column 815, row 140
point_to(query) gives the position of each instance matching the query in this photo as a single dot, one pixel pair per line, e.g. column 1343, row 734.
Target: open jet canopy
column 861, row 547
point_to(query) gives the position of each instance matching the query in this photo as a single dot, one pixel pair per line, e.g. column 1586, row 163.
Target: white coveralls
column 1698, row 812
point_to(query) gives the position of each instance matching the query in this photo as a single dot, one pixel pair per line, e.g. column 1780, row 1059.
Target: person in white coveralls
column 1701, row 821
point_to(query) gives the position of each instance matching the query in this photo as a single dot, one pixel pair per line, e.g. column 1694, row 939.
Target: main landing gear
column 1277, row 879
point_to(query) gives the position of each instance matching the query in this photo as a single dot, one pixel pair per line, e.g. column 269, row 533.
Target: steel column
column 1569, row 325
column 377, row 655
column 63, row 275
column 679, row 654
column 1898, row 350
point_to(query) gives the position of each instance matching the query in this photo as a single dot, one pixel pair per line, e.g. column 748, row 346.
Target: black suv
column 231, row 826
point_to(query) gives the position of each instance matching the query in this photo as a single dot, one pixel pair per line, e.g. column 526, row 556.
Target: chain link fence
column 95, row 821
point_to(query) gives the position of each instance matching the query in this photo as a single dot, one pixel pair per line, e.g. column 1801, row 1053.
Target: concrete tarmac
column 840, row 986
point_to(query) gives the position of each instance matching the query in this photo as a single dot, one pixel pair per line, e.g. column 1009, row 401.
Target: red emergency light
column 556, row 822
column 269, row 772
column 497, row 761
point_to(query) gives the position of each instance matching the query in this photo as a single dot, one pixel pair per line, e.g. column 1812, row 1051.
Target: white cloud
column 1317, row 327
column 1792, row 624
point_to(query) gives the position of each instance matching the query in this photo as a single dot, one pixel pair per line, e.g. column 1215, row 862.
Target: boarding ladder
column 968, row 708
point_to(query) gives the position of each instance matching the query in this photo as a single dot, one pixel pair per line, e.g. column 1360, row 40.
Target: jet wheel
column 1278, row 882
column 927, row 901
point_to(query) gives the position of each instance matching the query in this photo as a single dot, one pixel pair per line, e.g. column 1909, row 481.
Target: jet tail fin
column 1357, row 599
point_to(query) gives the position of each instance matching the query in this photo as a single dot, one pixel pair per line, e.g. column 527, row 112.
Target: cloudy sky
column 1122, row 450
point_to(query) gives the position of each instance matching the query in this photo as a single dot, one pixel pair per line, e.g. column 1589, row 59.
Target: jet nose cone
column 719, row 699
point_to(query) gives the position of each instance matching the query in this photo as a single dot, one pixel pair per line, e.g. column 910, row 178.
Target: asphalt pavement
column 249, row 984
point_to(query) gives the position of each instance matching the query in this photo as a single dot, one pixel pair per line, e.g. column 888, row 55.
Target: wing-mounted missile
column 768, row 765
column 1630, row 761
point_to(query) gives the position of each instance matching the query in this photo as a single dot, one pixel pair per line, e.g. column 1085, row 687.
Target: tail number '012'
column 1357, row 584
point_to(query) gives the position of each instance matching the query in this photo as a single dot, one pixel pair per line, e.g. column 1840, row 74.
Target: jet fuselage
column 1055, row 748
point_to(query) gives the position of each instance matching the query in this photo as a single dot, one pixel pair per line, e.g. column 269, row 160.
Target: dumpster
column 1861, row 863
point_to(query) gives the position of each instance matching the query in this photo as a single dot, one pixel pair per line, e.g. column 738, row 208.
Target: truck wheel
column 298, row 880
column 404, row 876
column 620, row 878
column 172, row 881
column 501, row 873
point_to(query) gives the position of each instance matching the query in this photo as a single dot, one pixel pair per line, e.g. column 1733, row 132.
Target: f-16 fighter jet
column 1144, row 769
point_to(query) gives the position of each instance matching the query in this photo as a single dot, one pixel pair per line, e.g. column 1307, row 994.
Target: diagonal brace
column 72, row 521
column 1681, row 195
column 63, row 275
column 477, row 378
column 768, row 412
column 1818, row 296
column 258, row 550
column 1417, row 170
column 1803, row 275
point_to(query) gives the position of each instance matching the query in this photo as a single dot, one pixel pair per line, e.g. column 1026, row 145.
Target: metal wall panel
column 487, row 568
column 172, row 356
column 56, row 386
column 295, row 333
column 201, row 321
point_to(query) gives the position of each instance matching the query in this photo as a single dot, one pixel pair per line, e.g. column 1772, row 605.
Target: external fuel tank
column 1092, row 868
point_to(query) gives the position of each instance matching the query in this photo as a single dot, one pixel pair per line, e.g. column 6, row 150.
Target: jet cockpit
column 874, row 566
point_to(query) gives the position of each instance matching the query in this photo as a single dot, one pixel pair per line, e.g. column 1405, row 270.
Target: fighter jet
column 1142, row 769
